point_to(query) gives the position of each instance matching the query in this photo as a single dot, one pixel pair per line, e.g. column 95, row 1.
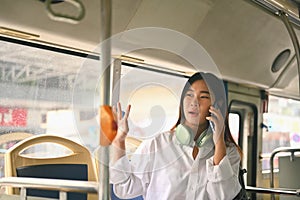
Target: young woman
column 197, row 159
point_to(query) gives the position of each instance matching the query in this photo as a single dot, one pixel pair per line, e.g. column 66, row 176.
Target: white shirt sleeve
column 130, row 178
column 223, row 180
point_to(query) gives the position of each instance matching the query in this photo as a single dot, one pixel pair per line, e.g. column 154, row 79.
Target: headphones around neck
column 185, row 136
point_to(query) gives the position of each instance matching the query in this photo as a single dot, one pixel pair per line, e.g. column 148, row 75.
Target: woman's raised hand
column 218, row 136
column 218, row 120
column 122, row 122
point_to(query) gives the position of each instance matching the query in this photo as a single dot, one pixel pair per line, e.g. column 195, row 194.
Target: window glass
column 234, row 126
column 46, row 92
column 154, row 99
column 281, row 127
column 37, row 95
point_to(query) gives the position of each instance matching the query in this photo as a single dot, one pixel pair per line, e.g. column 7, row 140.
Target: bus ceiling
column 244, row 38
column 289, row 12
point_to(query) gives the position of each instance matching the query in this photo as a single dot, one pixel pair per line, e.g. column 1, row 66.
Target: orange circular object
column 108, row 125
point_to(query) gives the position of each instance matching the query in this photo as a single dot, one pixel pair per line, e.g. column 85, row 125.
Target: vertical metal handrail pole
column 62, row 195
column 105, row 93
column 295, row 42
column 272, row 173
column 23, row 193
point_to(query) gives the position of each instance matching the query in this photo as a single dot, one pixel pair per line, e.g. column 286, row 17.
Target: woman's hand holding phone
column 216, row 121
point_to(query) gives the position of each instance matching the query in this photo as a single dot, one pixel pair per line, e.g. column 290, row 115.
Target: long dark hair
column 217, row 90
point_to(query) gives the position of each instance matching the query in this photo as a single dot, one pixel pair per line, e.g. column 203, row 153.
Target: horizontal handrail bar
column 51, row 184
column 92, row 186
column 285, row 191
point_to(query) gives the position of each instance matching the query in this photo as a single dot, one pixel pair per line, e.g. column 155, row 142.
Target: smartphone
column 211, row 124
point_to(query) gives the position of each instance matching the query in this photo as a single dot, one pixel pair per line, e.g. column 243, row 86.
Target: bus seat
column 287, row 175
column 13, row 137
column 77, row 164
column 7, row 140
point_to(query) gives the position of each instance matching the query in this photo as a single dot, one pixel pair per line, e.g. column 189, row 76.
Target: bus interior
column 54, row 54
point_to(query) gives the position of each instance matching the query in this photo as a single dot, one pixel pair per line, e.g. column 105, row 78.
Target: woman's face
column 196, row 104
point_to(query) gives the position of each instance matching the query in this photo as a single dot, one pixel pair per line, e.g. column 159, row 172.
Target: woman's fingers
column 215, row 111
column 127, row 111
column 122, row 118
column 217, row 119
column 114, row 109
column 119, row 111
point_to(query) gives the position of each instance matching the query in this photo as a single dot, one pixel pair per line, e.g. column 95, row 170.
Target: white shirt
column 164, row 169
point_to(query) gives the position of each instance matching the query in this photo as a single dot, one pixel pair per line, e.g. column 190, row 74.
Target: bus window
column 154, row 99
column 234, row 126
column 280, row 127
column 36, row 84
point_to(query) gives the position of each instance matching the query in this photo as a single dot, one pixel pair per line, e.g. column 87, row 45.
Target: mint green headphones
column 185, row 136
